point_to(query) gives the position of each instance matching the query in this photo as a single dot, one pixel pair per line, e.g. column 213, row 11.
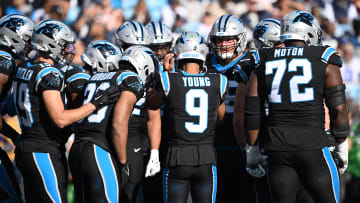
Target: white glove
column 255, row 162
column 341, row 153
column 153, row 166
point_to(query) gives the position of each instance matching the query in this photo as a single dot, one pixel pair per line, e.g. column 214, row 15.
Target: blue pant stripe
column 214, row 183
column 165, row 177
column 333, row 171
column 108, row 174
column 48, row 175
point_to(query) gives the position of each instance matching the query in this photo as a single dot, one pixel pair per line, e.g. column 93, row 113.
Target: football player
column 194, row 100
column 161, row 42
column 143, row 125
column 294, row 81
column 266, row 34
column 227, row 42
column 15, row 42
column 99, row 137
column 38, row 95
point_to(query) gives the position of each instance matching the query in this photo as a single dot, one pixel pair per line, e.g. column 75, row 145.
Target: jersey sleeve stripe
column 5, row 53
column 124, row 75
column 223, row 83
column 45, row 71
column 79, row 76
column 256, row 56
column 164, row 76
column 327, row 53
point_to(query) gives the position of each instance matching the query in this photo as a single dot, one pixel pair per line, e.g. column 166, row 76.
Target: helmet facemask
column 226, row 47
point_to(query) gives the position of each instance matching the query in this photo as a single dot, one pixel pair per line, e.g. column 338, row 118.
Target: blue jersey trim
column 223, row 69
column 78, row 76
column 125, row 75
column 327, row 53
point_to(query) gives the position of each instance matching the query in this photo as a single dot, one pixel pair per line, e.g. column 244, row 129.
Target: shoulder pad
column 49, row 78
column 331, row 56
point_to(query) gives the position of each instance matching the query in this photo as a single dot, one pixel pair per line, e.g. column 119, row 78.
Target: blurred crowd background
column 99, row 19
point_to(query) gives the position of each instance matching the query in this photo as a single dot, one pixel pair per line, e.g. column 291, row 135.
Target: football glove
column 105, row 97
column 341, row 155
column 153, row 166
column 125, row 173
column 255, row 162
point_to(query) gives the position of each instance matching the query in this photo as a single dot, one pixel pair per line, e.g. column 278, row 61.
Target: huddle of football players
column 231, row 114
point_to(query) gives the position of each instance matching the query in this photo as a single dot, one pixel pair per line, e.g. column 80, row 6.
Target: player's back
column 97, row 126
column 192, row 101
column 292, row 79
column 30, row 80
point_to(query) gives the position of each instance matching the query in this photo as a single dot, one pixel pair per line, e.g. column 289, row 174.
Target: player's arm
column 339, row 121
column 239, row 115
column 154, row 132
column 57, row 112
column 6, row 130
column 122, row 113
column 336, row 101
column 255, row 162
column 221, row 113
column 252, row 110
column 154, row 128
column 3, row 80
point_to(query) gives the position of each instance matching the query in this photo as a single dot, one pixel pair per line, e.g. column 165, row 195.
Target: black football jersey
column 138, row 120
column 292, row 81
column 237, row 71
column 30, row 80
column 191, row 104
column 192, row 101
column 97, row 126
column 7, row 67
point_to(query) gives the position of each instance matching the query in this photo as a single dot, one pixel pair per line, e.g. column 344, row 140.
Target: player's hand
column 341, row 154
column 168, row 62
column 255, row 161
column 105, row 97
column 153, row 166
column 125, row 173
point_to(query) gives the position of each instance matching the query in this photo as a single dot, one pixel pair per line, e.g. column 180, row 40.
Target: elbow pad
column 252, row 113
column 335, row 96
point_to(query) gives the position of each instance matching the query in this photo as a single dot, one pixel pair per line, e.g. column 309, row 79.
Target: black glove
column 105, row 97
column 125, row 173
